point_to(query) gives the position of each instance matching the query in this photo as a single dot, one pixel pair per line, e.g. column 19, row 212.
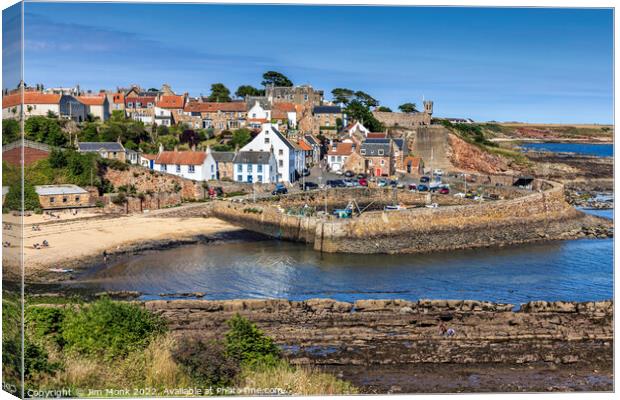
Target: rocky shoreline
column 373, row 343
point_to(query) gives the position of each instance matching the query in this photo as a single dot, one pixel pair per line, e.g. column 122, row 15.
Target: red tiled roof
column 304, row 146
column 286, row 107
column 181, row 157
column 149, row 156
column 196, row 106
column 91, row 100
column 171, row 102
column 376, row 135
column 279, row 114
column 30, row 98
column 342, row 149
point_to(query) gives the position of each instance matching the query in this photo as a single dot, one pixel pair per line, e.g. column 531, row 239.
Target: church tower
column 428, row 107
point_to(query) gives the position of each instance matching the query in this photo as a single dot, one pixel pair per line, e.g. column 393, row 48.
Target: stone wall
column 536, row 216
column 402, row 119
column 324, row 331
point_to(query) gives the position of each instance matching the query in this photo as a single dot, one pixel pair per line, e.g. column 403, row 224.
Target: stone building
column 40, row 104
column 62, row 196
column 379, row 158
column 109, row 150
column 98, row 106
column 302, row 95
column 224, row 164
column 406, row 120
column 255, row 167
column 325, row 119
column 219, row 116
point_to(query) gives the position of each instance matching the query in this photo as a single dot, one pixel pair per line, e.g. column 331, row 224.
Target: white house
column 255, row 166
column 289, row 157
column 168, row 108
column 337, row 155
column 37, row 103
column 96, row 105
column 357, row 129
column 195, row 165
column 258, row 115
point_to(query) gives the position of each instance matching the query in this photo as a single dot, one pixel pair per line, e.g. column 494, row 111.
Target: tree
column 51, row 114
column 276, row 79
column 10, row 131
column 57, row 159
column 240, row 138
column 366, row 99
column 408, row 107
column 342, row 96
column 384, row 109
column 360, row 112
column 248, row 90
column 44, row 130
column 219, row 93
column 190, row 137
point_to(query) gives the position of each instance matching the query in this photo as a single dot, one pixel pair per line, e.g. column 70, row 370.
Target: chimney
column 176, row 148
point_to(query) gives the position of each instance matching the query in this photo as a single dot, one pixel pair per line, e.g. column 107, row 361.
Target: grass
column 294, row 380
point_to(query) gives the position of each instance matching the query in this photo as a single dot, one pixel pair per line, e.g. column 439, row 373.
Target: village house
column 307, row 153
column 316, row 148
column 258, row 114
column 224, row 164
column 285, row 114
column 400, row 150
column 195, row 165
column 116, row 102
column 62, row 196
column 413, row 165
column 357, row 129
column 147, row 160
column 255, row 166
column 219, row 116
column 40, row 104
column 109, row 150
column 303, row 95
column 379, row 158
column 168, row 108
column 289, row 156
column 326, row 119
column 98, row 106
column 337, row 155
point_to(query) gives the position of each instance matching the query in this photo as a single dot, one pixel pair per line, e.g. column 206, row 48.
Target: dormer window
column 363, row 152
column 380, row 152
column 130, row 105
column 138, row 104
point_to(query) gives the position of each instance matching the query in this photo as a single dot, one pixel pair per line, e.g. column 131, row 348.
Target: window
column 253, row 115
column 52, row 199
column 306, row 97
column 259, row 178
column 382, row 162
column 259, row 169
column 280, row 152
column 249, row 167
column 250, row 178
column 266, row 140
column 363, row 152
column 212, row 168
column 163, row 167
column 178, row 168
column 129, row 105
column 239, row 178
column 138, row 104
column 339, row 158
column 239, row 167
column 149, row 105
column 64, row 199
column 191, row 169
column 380, row 152
column 280, row 163
column 77, row 198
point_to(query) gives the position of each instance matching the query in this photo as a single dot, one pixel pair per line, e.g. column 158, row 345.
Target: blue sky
column 536, row 65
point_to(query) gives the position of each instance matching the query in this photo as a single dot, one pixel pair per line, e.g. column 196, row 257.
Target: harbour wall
column 367, row 332
column 542, row 214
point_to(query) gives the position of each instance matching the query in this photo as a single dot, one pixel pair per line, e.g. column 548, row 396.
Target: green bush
column 45, row 323
column 13, row 200
column 249, row 345
column 36, row 360
column 107, row 329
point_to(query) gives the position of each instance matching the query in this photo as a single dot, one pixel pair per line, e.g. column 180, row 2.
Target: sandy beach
column 74, row 241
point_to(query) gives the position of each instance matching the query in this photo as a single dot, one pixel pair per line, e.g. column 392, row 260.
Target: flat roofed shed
column 49, row 190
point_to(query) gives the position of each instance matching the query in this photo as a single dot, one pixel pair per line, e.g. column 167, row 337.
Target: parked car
column 413, row 186
column 422, row 188
column 393, row 183
column 382, row 182
column 306, row 172
column 362, row 181
column 444, row 190
column 350, row 183
column 438, row 172
column 336, row 183
column 425, row 179
column 349, row 174
column 362, row 176
column 280, row 189
column 308, row 186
